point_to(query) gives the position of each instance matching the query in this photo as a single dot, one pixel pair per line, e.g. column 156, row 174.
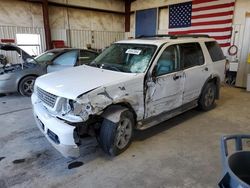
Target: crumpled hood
column 72, row 82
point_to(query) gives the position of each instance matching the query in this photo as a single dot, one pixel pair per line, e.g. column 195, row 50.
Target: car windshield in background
column 46, row 57
column 131, row 58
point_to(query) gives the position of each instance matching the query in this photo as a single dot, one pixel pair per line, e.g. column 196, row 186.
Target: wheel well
column 216, row 82
column 123, row 104
column 23, row 78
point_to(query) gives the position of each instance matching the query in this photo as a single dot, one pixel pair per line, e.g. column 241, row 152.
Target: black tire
column 110, row 133
column 207, row 99
column 26, row 85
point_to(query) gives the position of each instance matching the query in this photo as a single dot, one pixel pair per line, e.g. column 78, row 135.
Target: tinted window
column 191, row 54
column 86, row 57
column 215, row 51
column 67, row 58
column 168, row 61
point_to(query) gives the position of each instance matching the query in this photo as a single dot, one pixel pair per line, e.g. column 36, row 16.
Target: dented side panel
column 165, row 94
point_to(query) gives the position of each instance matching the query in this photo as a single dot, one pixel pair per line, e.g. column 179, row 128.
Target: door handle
column 205, row 69
column 175, row 77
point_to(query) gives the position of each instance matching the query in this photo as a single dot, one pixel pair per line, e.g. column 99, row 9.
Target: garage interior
column 184, row 151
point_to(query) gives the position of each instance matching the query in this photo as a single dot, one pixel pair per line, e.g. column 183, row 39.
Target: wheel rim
column 28, row 86
column 124, row 132
column 209, row 97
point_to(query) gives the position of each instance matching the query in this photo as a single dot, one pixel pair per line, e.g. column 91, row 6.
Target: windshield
column 46, row 57
column 132, row 58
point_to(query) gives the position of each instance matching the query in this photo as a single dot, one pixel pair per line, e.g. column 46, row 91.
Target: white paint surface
column 80, row 78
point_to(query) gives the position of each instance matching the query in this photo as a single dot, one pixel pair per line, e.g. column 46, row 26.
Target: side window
column 168, row 61
column 191, row 55
column 215, row 51
column 86, row 57
column 66, row 59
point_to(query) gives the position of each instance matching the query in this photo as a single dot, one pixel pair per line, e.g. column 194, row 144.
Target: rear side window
column 215, row 51
column 191, row 55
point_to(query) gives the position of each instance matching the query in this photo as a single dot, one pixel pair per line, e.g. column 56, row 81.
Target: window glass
column 68, row 58
column 130, row 58
column 47, row 56
column 215, row 51
column 191, row 54
column 86, row 57
column 168, row 61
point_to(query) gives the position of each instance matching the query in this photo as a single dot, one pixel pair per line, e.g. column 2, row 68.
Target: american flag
column 212, row 17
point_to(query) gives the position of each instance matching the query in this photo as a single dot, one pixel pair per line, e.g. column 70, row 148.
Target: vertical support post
column 46, row 24
column 127, row 15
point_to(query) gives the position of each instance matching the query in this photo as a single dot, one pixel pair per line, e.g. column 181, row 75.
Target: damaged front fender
column 129, row 92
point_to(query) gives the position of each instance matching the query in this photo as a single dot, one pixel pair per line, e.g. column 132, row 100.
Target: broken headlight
column 77, row 109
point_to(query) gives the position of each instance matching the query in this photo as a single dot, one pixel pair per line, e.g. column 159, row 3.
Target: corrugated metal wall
column 97, row 39
column 73, row 38
column 9, row 32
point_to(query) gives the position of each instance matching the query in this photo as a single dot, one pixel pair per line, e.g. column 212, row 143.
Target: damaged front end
column 58, row 132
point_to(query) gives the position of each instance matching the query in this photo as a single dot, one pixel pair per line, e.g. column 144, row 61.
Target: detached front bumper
column 59, row 134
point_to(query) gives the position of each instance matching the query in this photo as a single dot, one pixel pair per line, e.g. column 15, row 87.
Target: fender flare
column 217, row 84
column 113, row 113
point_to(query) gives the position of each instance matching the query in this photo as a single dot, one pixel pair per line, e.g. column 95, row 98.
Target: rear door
column 65, row 60
column 164, row 93
column 217, row 57
column 196, row 69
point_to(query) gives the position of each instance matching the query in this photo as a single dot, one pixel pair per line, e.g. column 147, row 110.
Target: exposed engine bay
column 9, row 67
column 16, row 67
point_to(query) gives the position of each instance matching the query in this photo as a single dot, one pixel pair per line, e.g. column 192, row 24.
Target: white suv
column 133, row 84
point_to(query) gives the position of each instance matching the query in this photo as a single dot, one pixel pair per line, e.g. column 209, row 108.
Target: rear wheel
column 26, row 85
column 115, row 138
column 207, row 98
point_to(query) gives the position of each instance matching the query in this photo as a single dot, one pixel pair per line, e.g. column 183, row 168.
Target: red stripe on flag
column 225, row 44
column 213, row 22
column 200, row 31
column 194, row 2
column 213, row 15
column 221, row 37
column 213, row 7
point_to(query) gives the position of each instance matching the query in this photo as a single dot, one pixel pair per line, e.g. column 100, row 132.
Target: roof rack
column 174, row 36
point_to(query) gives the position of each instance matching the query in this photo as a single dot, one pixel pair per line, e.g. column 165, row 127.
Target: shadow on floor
column 175, row 121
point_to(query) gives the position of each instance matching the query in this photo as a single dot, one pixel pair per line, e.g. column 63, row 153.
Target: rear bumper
column 58, row 133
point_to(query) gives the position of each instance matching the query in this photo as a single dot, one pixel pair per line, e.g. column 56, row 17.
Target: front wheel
column 26, row 86
column 207, row 98
column 115, row 138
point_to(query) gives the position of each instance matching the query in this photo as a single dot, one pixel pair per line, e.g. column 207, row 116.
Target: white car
column 134, row 84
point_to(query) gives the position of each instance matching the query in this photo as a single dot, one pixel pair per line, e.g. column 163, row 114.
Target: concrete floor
column 181, row 152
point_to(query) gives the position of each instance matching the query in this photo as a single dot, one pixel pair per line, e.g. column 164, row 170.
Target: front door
column 164, row 92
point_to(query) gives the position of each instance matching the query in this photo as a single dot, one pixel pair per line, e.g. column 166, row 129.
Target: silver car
column 20, row 76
